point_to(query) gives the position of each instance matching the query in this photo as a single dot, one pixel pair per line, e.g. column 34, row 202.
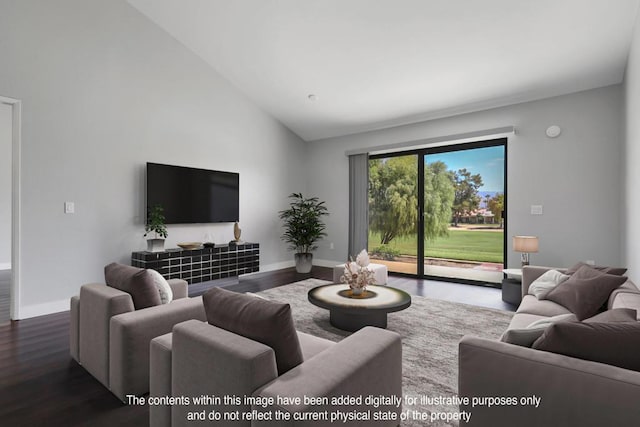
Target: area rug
column 430, row 330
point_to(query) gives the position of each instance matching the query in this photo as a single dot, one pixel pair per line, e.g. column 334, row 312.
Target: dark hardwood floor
column 41, row 384
column 468, row 294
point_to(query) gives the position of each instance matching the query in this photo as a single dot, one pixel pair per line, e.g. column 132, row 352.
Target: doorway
column 439, row 212
column 10, row 110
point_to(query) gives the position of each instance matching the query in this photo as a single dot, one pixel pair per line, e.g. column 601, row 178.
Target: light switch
column 536, row 209
column 69, row 207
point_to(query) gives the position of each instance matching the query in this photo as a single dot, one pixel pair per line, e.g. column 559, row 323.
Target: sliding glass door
column 393, row 212
column 463, row 224
column 438, row 212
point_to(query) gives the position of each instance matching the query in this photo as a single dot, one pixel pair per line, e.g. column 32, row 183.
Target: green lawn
column 465, row 245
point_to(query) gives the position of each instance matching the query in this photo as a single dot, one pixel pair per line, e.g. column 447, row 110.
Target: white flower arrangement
column 356, row 273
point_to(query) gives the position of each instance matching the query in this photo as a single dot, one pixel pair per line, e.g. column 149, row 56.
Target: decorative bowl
column 190, row 245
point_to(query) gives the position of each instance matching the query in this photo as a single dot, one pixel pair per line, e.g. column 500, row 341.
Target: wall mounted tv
column 192, row 196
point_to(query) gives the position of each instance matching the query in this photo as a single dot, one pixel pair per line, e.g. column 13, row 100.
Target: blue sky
column 488, row 162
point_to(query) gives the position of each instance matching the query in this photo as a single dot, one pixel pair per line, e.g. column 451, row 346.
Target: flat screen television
column 192, row 196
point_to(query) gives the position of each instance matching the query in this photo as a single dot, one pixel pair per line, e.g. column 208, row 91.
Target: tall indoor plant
column 303, row 228
column 155, row 224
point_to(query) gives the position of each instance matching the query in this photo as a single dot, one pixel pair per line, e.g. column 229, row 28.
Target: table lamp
column 525, row 245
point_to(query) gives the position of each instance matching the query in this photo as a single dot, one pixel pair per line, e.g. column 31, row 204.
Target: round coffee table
column 350, row 313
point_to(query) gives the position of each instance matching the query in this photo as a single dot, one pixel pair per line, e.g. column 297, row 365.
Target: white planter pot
column 304, row 262
column 155, row 245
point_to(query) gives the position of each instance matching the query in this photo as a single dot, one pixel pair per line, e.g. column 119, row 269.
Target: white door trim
column 16, row 113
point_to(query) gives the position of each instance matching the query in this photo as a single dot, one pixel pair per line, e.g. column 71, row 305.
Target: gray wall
column 104, row 91
column 576, row 177
column 631, row 235
column 5, row 185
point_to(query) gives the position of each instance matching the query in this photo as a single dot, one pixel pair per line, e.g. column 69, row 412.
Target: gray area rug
column 430, row 330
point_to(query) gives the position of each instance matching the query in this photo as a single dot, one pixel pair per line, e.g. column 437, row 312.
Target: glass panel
column 463, row 226
column 393, row 212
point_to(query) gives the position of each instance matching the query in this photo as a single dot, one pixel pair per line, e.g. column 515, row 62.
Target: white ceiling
column 381, row 63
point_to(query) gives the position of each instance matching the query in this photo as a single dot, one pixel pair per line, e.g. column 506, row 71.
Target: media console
column 201, row 265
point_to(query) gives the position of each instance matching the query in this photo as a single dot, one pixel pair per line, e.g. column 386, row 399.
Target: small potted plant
column 303, row 228
column 155, row 224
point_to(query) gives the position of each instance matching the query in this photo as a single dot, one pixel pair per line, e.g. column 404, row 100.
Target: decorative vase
column 304, row 262
column 357, row 275
column 237, row 232
column 155, row 245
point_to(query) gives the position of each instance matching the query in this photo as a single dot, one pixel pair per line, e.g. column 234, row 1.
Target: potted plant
column 303, row 227
column 155, row 224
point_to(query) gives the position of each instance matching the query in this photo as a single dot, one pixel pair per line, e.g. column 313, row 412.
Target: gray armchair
column 200, row 359
column 110, row 339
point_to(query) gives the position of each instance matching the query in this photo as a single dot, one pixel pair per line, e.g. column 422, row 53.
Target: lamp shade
column 528, row 244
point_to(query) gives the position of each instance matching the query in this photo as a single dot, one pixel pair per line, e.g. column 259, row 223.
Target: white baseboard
column 271, row 267
column 326, row 263
column 5, row 266
column 36, row 310
column 277, row 266
column 290, row 264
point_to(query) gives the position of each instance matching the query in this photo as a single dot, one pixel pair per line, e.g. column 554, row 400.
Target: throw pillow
column 614, row 315
column 254, row 295
column 166, row 294
column 258, row 319
column 543, row 284
column 527, row 336
column 585, row 291
column 618, row 271
column 615, row 344
column 137, row 282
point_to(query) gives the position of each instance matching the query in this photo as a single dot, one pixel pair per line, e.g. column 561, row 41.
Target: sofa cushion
column 532, row 305
column 527, row 336
column 615, row 343
column 627, row 300
column 586, row 291
column 618, row 271
column 522, row 320
column 545, row 283
column 614, row 315
column 137, row 282
column 312, row 345
column 627, row 287
column 267, row 322
column 164, row 290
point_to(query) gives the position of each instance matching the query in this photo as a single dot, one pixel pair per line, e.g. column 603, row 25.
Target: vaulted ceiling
column 333, row 67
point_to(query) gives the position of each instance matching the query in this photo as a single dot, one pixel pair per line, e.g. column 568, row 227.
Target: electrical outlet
column 536, row 209
column 69, row 207
column 331, row 246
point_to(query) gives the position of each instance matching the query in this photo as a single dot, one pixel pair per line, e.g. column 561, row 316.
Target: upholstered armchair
column 110, row 338
column 198, row 358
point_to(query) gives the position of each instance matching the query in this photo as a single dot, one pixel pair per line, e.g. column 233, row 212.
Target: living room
column 102, row 90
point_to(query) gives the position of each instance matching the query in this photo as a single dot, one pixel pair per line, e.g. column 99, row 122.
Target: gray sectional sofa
column 572, row 392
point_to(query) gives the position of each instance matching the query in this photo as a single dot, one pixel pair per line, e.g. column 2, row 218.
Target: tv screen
column 190, row 196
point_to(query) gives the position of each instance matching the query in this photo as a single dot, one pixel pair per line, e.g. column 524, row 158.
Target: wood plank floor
column 41, row 384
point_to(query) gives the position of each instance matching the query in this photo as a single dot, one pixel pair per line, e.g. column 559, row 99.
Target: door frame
column 16, row 189
column 421, row 153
